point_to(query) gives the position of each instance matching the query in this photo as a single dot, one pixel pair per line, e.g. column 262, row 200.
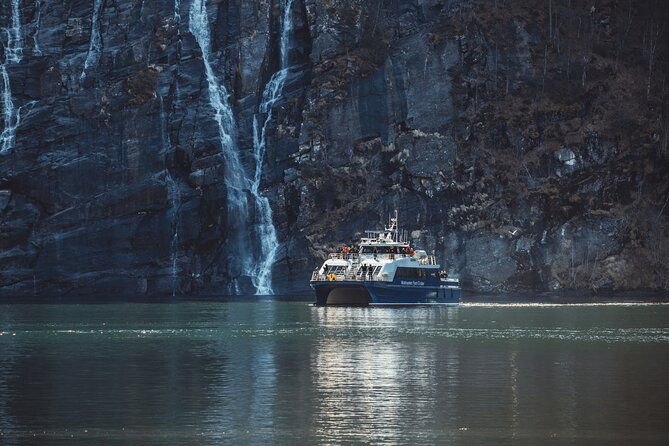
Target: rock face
column 525, row 143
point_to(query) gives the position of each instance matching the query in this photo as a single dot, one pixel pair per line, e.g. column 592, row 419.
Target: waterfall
column 177, row 13
column 271, row 94
column 236, row 178
column 286, row 28
column 38, row 17
column 174, row 196
column 256, row 265
column 9, row 112
column 14, row 49
column 13, row 55
column 94, row 44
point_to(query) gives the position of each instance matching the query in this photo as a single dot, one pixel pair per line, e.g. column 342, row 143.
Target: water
column 38, row 18
column 13, row 55
column 240, row 262
column 94, row 44
column 177, row 12
column 14, row 48
column 286, row 33
column 266, row 232
column 11, row 116
column 243, row 260
column 268, row 372
column 174, row 197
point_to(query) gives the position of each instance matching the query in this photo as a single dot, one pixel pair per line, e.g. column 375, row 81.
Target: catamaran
column 383, row 269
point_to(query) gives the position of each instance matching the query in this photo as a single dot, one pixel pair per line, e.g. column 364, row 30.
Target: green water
column 288, row 373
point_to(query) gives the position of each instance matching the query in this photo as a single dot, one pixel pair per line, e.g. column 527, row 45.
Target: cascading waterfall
column 11, row 116
column 14, row 49
column 266, row 232
column 286, row 29
column 13, row 55
column 38, row 17
column 177, row 13
column 94, row 44
column 174, row 196
column 236, row 179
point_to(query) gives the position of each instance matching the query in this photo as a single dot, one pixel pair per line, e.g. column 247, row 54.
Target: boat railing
column 350, row 276
column 429, row 260
column 392, row 256
column 343, row 256
column 355, row 257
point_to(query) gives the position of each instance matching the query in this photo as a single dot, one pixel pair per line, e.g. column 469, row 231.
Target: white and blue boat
column 383, row 269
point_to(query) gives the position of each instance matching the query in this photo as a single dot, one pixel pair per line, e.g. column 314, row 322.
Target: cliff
column 182, row 146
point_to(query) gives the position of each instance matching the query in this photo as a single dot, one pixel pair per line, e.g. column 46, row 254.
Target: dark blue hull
column 382, row 293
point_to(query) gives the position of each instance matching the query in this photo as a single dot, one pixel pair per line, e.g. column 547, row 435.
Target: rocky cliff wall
column 523, row 142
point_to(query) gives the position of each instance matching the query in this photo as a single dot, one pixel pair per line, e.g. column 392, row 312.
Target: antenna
column 397, row 222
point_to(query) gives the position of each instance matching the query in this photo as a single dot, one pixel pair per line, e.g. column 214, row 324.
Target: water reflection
column 9, row 353
column 369, row 381
column 286, row 373
column 243, row 387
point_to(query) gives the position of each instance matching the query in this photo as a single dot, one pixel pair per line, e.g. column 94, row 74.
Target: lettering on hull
column 412, row 283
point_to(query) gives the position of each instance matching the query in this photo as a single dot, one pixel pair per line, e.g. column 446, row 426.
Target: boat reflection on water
column 366, row 388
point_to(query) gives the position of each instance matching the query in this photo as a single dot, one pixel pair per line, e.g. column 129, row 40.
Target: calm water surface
column 287, row 373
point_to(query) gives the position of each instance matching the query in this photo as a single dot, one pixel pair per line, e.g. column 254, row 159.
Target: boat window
column 335, row 269
column 415, row 273
column 380, row 250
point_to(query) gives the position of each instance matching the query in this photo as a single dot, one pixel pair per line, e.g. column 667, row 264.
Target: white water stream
column 265, row 227
column 177, row 12
column 38, row 18
column 11, row 117
column 93, row 55
column 14, row 49
column 174, row 196
column 255, row 265
column 13, row 54
column 236, row 179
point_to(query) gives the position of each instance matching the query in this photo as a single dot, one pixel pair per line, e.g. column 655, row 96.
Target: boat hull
column 382, row 293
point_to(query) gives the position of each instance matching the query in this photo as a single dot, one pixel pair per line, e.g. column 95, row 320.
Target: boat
column 383, row 269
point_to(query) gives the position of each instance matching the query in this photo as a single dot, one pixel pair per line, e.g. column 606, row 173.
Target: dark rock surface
column 525, row 143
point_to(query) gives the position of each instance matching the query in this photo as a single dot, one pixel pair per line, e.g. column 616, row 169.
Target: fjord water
column 270, row 372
